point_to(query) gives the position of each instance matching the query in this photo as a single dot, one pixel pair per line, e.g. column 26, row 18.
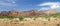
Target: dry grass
column 30, row 22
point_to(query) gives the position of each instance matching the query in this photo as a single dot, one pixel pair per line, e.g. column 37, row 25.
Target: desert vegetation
column 29, row 18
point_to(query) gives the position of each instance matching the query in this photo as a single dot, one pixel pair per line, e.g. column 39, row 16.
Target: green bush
column 22, row 17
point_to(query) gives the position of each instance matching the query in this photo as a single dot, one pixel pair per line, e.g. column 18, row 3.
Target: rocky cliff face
column 51, row 12
column 27, row 13
column 23, row 13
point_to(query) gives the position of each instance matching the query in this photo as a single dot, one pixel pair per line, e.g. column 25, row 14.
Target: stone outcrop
column 27, row 13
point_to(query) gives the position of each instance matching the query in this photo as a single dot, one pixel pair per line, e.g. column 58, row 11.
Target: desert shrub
column 58, row 24
column 21, row 17
column 9, row 17
column 57, row 15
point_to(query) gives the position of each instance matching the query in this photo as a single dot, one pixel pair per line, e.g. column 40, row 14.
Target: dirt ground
column 29, row 22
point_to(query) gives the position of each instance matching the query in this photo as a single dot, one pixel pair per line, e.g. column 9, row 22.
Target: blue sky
column 24, row 4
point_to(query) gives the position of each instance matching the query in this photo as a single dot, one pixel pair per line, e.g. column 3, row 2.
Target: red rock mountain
column 21, row 13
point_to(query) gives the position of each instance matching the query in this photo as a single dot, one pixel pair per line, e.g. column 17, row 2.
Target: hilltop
column 21, row 13
column 30, row 13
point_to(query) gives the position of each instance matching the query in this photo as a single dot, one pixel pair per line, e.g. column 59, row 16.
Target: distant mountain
column 22, row 13
column 27, row 13
column 50, row 11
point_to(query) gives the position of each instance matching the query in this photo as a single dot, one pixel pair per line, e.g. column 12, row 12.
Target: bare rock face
column 51, row 12
column 27, row 13
column 23, row 13
column 4, row 13
column 13, row 13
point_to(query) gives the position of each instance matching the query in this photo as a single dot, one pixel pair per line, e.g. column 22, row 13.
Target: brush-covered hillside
column 29, row 14
column 30, row 18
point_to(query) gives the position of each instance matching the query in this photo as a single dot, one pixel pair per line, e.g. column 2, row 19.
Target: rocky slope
column 21, row 13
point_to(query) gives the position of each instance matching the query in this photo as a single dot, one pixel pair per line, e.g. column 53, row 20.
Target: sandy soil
column 30, row 22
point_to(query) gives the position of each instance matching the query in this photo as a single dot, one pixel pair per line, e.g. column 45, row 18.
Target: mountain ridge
column 27, row 13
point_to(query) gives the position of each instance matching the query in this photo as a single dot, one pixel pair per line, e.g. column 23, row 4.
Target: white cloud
column 7, row 3
column 12, row 1
column 52, row 5
column 44, row 8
